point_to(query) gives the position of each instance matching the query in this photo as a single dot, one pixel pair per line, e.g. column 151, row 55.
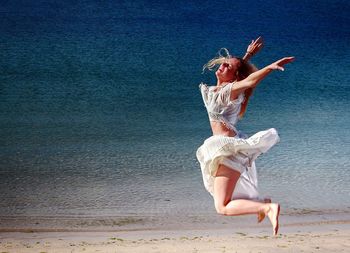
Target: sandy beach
column 333, row 240
column 310, row 235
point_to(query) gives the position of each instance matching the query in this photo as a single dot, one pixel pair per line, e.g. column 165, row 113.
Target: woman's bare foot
column 273, row 213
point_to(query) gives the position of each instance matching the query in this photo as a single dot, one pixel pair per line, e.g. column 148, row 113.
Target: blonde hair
column 244, row 70
column 210, row 65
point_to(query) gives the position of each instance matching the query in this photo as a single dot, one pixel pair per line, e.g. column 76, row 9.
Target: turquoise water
column 101, row 112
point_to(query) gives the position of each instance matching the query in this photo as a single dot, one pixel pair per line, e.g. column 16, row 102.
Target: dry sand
column 315, row 237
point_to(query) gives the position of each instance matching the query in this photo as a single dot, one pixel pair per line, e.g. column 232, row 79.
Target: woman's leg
column 224, row 184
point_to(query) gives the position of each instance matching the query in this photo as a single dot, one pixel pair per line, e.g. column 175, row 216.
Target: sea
column 101, row 114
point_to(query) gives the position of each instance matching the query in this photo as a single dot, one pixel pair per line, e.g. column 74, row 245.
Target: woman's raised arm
column 254, row 47
column 253, row 79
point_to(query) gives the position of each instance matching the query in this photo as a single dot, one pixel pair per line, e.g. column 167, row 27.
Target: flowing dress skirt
column 237, row 153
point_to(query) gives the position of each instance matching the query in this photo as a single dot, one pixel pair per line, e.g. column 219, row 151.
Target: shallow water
column 101, row 112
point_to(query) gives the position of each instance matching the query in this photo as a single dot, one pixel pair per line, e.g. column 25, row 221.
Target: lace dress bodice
column 219, row 106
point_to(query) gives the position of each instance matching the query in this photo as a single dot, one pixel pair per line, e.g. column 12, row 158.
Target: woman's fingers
column 255, row 45
column 280, row 63
column 288, row 59
column 259, row 40
column 285, row 60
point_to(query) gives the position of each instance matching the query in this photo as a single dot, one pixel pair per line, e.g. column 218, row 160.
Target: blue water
column 101, row 112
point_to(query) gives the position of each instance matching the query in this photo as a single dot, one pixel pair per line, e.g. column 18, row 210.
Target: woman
column 227, row 158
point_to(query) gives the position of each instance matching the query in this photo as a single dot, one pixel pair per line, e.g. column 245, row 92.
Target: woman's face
column 227, row 70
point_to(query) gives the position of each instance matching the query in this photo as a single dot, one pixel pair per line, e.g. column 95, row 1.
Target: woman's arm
column 253, row 48
column 254, row 79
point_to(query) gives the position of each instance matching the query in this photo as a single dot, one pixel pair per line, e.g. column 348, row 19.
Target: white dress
column 238, row 152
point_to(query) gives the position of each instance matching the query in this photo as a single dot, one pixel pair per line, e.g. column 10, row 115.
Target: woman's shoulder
column 204, row 86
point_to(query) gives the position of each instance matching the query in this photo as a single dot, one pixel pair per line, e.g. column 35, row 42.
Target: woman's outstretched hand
column 255, row 46
column 279, row 65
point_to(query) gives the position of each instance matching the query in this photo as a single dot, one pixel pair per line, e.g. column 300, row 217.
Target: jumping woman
column 227, row 157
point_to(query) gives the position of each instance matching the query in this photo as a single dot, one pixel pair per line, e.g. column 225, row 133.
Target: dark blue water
column 101, row 112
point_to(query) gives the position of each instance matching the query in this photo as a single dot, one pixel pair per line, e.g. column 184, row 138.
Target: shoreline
column 86, row 223
column 290, row 226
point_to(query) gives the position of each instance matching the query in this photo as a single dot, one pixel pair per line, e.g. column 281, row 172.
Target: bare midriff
column 220, row 128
